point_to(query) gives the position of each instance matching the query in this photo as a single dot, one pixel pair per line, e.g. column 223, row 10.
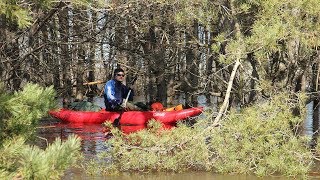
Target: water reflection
column 92, row 135
column 308, row 124
column 77, row 174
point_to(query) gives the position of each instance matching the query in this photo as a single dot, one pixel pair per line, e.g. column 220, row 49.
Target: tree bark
column 192, row 68
column 63, row 17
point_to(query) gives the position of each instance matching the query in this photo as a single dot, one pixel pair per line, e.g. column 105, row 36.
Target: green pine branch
column 19, row 116
column 18, row 160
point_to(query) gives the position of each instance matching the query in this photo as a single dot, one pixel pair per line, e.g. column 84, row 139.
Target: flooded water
column 92, row 135
column 173, row 176
column 93, row 141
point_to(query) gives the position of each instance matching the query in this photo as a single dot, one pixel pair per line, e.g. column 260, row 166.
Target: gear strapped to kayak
column 84, row 106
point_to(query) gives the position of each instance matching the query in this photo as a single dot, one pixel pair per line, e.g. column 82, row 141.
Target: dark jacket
column 114, row 93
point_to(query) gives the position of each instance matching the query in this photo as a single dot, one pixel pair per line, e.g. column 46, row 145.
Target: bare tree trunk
column 44, row 54
column 10, row 67
column 2, row 45
column 54, row 60
column 192, row 69
column 78, row 51
column 65, row 51
column 255, row 76
column 12, row 52
column 225, row 103
column 316, row 102
column 92, row 55
column 32, row 63
column 161, row 80
column 152, row 73
column 210, row 67
column 237, row 34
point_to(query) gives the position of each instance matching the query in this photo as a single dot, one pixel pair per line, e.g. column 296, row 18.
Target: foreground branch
column 224, row 106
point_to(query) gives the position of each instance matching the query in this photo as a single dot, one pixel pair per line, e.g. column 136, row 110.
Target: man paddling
column 117, row 96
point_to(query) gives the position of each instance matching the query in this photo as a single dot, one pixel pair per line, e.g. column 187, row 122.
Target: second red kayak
column 127, row 118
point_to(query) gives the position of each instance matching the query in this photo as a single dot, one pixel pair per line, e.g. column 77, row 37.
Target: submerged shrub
column 156, row 149
column 261, row 139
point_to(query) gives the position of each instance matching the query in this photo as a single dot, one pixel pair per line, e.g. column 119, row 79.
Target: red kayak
column 127, row 118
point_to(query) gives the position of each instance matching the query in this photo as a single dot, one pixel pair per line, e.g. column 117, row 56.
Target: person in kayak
column 115, row 93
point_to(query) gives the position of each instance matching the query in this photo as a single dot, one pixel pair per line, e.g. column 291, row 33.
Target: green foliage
column 204, row 11
column 22, row 17
column 95, row 167
column 16, row 13
column 260, row 139
column 156, row 149
column 18, row 160
column 22, row 14
column 19, row 115
column 21, row 111
column 285, row 21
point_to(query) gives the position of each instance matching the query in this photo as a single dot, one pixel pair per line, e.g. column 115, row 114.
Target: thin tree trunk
column 65, row 52
column 192, row 69
column 315, row 89
column 255, row 76
column 225, row 103
column 54, row 60
column 92, row 56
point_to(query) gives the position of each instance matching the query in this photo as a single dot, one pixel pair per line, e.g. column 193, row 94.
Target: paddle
column 116, row 122
column 94, row 83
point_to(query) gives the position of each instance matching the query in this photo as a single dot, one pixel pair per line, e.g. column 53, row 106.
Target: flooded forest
column 255, row 63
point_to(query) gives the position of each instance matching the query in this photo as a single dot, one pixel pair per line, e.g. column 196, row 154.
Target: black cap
column 118, row 70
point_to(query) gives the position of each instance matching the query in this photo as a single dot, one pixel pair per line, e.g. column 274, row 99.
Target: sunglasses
column 120, row 75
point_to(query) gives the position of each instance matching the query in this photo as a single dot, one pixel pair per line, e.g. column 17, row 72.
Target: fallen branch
column 225, row 103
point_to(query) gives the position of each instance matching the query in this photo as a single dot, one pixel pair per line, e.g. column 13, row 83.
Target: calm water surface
column 93, row 138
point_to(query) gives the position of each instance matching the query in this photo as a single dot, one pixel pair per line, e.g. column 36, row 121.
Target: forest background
column 176, row 48
column 241, row 52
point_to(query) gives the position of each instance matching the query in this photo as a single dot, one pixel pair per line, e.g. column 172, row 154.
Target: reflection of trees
column 91, row 135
